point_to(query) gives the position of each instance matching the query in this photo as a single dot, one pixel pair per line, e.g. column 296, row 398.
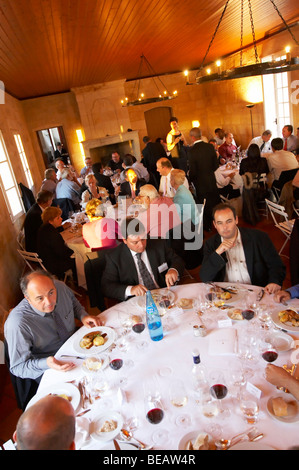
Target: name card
column 225, row 323
column 255, row 391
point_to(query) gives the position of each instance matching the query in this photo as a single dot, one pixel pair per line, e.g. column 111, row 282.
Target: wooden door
column 157, row 122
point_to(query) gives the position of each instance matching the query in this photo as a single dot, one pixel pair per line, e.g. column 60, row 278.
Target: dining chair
column 30, row 257
column 21, row 239
column 285, row 177
column 281, row 221
column 296, row 209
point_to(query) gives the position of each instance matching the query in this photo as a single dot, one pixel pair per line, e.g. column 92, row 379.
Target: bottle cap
column 196, row 356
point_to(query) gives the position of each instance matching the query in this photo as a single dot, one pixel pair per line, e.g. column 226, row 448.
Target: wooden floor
column 9, row 413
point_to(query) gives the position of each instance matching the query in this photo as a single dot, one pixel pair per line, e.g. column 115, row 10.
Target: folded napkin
column 223, row 342
column 82, row 431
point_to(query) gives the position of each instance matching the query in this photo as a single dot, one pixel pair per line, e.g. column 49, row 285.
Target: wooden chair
column 281, row 221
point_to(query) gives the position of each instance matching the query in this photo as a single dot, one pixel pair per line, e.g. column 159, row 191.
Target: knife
column 116, row 444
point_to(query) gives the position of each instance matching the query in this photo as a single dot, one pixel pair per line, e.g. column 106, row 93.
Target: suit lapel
column 248, row 251
column 129, row 264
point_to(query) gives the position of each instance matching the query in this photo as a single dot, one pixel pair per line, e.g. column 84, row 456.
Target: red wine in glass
column 155, row 415
column 219, row 391
column 116, row 364
column 248, row 314
column 138, row 327
column 270, row 356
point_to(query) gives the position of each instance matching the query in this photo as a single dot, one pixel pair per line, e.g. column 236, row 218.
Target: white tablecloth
column 171, row 358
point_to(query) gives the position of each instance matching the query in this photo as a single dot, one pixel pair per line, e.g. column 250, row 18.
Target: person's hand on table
column 171, row 277
column 139, row 289
column 282, row 296
column 90, row 321
column 272, row 288
column 62, row 366
column 66, row 225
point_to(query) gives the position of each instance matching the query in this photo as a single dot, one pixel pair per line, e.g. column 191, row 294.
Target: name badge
column 163, row 267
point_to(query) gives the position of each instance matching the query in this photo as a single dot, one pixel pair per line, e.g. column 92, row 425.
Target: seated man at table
column 132, row 184
column 67, row 188
column 49, row 424
column 139, row 264
column 40, row 324
column 240, row 254
column 33, row 219
column 227, row 150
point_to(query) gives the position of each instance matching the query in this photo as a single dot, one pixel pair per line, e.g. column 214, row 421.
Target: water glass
column 249, row 407
column 178, row 394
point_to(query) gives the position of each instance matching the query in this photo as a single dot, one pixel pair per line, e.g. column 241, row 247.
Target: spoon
column 224, row 444
column 128, row 435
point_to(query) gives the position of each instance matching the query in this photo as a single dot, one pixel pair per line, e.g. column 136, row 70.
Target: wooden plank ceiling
column 50, row 46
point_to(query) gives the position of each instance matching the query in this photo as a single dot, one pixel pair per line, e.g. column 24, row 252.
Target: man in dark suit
column 151, row 154
column 132, row 185
column 124, row 274
column 240, row 254
column 33, row 219
column 202, row 165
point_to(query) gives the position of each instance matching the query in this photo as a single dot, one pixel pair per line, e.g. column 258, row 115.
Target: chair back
column 66, row 205
column 30, row 257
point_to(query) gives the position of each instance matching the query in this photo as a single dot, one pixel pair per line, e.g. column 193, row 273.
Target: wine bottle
column 153, row 318
column 198, row 372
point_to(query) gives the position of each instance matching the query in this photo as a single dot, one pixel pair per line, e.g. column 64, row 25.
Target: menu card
column 223, row 342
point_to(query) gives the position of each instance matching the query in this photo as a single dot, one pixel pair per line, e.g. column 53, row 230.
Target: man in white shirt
column 280, row 160
column 263, row 141
column 164, row 167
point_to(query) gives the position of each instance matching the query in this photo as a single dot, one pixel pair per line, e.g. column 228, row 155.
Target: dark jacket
column 263, row 262
column 120, row 271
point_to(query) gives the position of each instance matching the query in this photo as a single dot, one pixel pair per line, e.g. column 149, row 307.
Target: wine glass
column 116, row 363
column 154, row 411
column 179, row 398
column 219, row 390
column 249, row 407
column 269, row 353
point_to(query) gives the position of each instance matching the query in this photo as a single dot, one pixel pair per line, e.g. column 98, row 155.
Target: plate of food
column 287, row 319
column 283, row 408
column 67, row 391
column 159, row 295
column 186, row 303
column 235, row 314
column 106, row 426
column 93, row 341
column 195, row 440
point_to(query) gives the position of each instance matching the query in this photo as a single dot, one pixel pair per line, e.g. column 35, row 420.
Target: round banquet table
column 171, row 358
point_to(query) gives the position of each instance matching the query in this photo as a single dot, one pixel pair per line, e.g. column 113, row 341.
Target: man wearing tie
column 290, row 141
column 139, row 264
column 263, row 141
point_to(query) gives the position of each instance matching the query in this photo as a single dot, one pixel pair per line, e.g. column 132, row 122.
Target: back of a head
column 65, row 174
column 128, row 159
column 277, row 143
column 96, row 167
column 195, row 133
column 49, row 424
column 253, row 152
column 165, row 162
column 150, row 191
column 43, row 197
column 131, row 227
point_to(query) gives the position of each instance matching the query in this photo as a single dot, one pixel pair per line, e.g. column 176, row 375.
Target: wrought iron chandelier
column 138, row 97
column 258, row 68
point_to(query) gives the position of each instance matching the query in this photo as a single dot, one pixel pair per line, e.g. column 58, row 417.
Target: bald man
column 49, row 424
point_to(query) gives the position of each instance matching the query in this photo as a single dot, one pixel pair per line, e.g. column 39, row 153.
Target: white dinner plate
column 251, row 446
column 191, row 436
column 67, row 389
column 181, row 303
column 99, row 421
column 286, row 326
column 141, row 300
column 281, row 341
column 293, row 409
column 94, row 350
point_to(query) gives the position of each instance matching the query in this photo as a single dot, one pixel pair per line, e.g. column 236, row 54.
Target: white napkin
column 82, row 431
column 222, row 342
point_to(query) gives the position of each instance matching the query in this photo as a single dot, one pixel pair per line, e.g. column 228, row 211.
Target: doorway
column 157, row 122
column 48, row 140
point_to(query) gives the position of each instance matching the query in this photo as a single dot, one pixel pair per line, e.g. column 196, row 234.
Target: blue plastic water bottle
column 153, row 318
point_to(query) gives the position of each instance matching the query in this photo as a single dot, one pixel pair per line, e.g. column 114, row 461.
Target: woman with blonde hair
column 93, row 191
column 55, row 254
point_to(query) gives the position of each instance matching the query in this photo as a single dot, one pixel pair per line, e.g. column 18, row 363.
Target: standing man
column 202, row 166
column 60, row 153
column 290, row 141
column 151, row 154
column 237, row 254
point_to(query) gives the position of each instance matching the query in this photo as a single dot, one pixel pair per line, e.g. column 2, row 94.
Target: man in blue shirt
column 39, row 325
column 284, row 295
